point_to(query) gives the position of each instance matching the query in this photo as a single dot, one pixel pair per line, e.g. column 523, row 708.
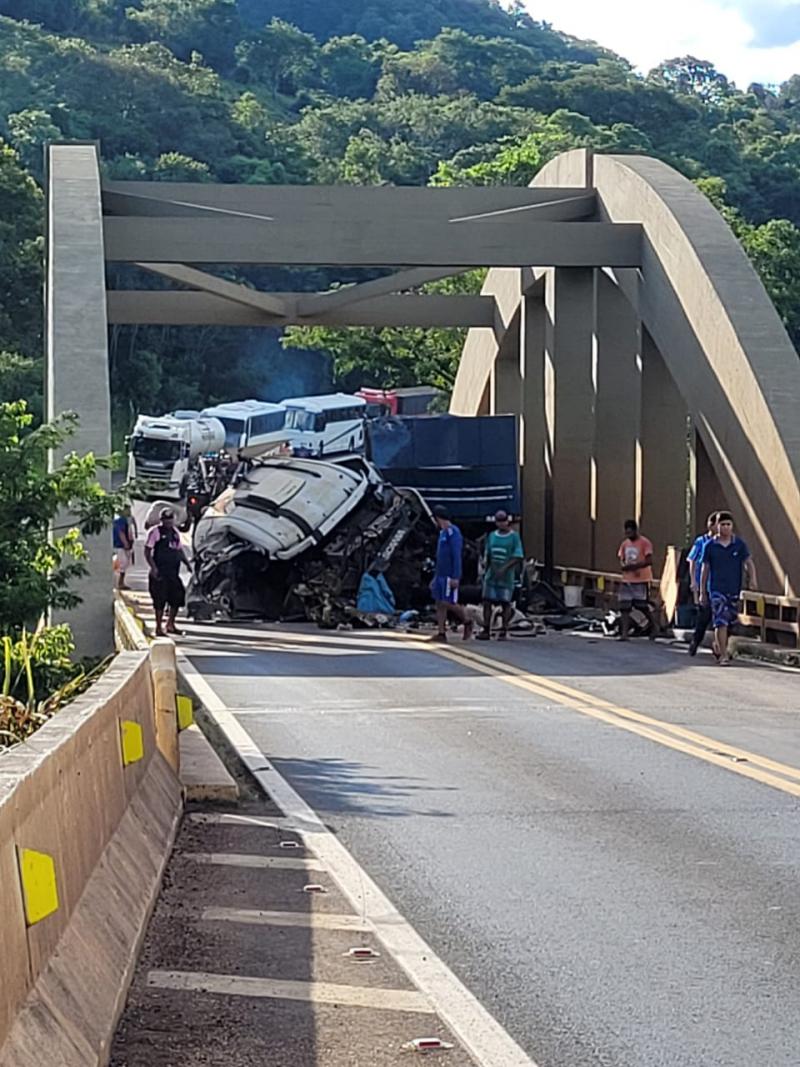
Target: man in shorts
column 695, row 560
column 164, row 554
column 502, row 557
column 447, row 576
column 726, row 560
column 124, row 535
column 636, row 559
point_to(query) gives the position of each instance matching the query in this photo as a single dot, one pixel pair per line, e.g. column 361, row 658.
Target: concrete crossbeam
column 209, row 283
column 133, row 307
column 398, row 282
column 348, row 204
column 507, row 241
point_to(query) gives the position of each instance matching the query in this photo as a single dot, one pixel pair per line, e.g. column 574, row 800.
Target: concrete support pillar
column 506, row 374
column 665, row 455
column 536, row 454
column 77, row 355
column 569, row 343
column 618, row 376
column 707, row 490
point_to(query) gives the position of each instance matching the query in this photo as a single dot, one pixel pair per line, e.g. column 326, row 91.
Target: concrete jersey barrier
column 88, row 811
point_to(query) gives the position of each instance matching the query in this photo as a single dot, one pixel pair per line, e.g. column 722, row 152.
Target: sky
column 747, row 40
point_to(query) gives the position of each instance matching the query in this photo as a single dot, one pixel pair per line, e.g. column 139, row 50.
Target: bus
column 252, row 427
column 326, row 425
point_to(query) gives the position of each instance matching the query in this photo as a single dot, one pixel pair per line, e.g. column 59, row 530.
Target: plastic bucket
column 573, row 596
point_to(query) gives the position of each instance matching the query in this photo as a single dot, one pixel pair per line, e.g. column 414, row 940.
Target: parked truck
column 164, row 451
column 414, row 400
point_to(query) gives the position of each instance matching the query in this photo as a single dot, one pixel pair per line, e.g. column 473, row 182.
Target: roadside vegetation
column 43, row 515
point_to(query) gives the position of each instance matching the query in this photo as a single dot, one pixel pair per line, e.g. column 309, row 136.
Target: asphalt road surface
column 615, row 890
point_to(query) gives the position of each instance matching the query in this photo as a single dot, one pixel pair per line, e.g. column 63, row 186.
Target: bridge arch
column 610, row 370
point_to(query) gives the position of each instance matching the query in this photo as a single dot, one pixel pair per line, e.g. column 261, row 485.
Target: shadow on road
column 336, row 786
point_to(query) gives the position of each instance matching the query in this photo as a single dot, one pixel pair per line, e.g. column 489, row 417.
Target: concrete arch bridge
column 620, row 320
column 659, row 391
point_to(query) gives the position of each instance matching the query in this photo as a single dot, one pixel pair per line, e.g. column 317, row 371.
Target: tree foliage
column 38, row 570
column 355, row 92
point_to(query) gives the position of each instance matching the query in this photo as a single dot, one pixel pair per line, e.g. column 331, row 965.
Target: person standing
column 503, row 556
column 695, row 560
column 124, row 535
column 164, row 554
column 726, row 561
column 636, row 559
column 447, row 576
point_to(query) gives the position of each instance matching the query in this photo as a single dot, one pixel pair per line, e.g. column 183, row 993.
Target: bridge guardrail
column 775, row 618
column 88, row 811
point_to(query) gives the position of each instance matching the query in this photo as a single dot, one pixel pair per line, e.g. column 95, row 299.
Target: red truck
column 415, row 400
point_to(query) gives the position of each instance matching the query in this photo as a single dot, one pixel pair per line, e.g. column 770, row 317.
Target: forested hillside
column 354, row 91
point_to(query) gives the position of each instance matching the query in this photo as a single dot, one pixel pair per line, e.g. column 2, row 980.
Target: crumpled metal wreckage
column 294, row 539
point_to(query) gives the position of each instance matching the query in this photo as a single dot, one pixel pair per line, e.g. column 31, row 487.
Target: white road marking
column 234, row 985
column 264, row 863
column 309, row 920
column 480, row 1033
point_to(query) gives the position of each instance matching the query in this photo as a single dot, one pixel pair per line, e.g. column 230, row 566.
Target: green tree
column 21, row 218
column 22, row 376
column 692, row 77
column 210, row 27
column 278, row 57
column 349, row 67
column 29, row 131
column 176, row 167
column 774, row 249
column 38, row 569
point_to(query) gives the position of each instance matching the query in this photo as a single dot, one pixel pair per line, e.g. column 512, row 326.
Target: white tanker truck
column 162, row 451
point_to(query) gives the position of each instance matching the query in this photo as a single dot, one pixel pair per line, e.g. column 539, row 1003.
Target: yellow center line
column 719, row 753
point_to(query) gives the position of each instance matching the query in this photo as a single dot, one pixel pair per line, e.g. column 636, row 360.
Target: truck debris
column 296, row 537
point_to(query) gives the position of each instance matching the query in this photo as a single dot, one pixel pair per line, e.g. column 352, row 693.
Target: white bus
column 326, row 425
column 252, row 427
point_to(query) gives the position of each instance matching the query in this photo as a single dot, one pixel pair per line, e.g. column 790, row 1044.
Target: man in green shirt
column 503, row 556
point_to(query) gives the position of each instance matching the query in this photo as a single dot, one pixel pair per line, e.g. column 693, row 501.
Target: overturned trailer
column 297, row 536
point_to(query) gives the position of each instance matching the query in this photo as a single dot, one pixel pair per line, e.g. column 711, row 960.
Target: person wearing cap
column 447, row 575
column 164, row 554
column 503, row 555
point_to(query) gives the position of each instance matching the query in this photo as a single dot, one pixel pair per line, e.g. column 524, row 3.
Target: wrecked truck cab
column 298, row 533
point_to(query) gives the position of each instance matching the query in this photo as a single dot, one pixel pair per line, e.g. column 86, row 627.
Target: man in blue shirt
column 447, row 576
column 695, row 559
column 725, row 561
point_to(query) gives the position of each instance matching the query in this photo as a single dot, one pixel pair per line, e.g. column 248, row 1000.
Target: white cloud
column 722, row 31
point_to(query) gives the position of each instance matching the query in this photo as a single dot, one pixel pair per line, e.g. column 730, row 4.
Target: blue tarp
column 374, row 595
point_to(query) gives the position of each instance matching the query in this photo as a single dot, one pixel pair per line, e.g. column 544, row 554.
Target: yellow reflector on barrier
column 185, row 712
column 132, row 741
column 39, row 888
column 761, row 607
column 601, row 584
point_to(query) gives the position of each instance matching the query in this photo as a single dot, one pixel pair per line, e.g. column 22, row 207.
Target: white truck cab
column 161, row 451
